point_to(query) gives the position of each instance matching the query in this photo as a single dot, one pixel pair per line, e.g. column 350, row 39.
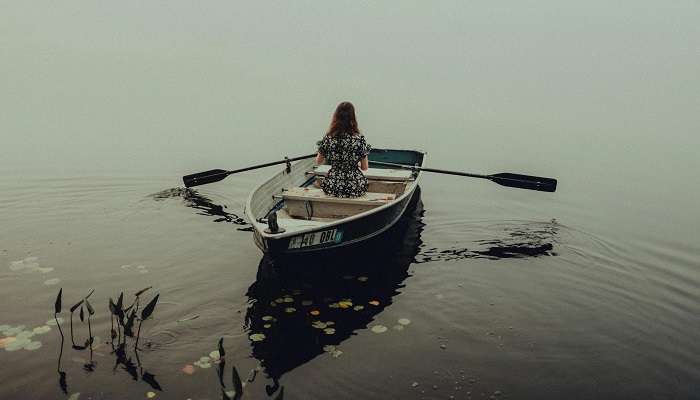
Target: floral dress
column 343, row 152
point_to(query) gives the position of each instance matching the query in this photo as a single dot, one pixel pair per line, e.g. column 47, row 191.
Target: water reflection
column 203, row 205
column 513, row 240
column 298, row 308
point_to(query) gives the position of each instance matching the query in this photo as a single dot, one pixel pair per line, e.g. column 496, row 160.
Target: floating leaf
column 89, row 307
column 290, row 310
column 404, row 321
column 40, row 330
column 319, row 325
column 188, row 369
column 32, row 346
column 398, row 327
column 347, row 303
column 222, row 353
column 267, row 326
column 374, row 302
column 329, row 331
column 279, row 301
column 288, row 300
column 358, row 308
column 57, row 305
column 74, row 396
column 4, row 342
column 52, row 281
column 215, row 355
column 362, row 278
column 148, row 310
column 379, row 329
column 268, row 318
column 257, row 337
column 314, row 312
column 151, row 395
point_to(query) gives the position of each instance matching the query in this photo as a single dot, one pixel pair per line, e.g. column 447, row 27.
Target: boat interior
column 299, row 203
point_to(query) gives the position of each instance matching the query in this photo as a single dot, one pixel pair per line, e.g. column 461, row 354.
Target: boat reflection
column 301, row 308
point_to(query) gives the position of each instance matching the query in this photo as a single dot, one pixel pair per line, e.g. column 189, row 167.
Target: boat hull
column 351, row 232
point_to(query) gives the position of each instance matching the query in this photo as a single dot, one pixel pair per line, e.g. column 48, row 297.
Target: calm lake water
column 479, row 291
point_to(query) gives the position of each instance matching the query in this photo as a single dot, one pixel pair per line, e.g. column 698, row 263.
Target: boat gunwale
column 324, row 226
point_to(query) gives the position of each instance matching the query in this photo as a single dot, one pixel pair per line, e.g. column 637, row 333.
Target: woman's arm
column 364, row 163
column 320, row 159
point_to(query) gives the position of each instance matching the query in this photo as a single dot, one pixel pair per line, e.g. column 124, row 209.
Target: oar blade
column 525, row 182
column 202, row 178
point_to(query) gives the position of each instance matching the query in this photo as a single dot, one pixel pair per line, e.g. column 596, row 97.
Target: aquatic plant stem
column 138, row 335
column 55, row 316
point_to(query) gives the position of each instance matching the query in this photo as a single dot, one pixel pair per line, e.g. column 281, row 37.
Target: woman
column 345, row 149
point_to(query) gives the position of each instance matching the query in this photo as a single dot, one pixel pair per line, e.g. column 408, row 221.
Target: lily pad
column 345, row 303
column 289, row 300
column 267, row 326
column 40, row 330
column 329, row 331
column 257, row 337
column 362, row 278
column 214, row 355
column 25, row 334
column 74, row 396
column 398, row 327
column 151, row 395
column 52, row 281
column 379, row 329
column 52, row 322
column 188, row 369
column 17, row 344
column 290, row 310
column 319, row 325
column 358, row 308
column 268, row 318
column 32, row 346
column 404, row 321
column 4, row 342
column 314, row 312
column 374, row 302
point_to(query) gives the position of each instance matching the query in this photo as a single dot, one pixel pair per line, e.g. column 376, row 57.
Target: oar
column 505, row 178
column 216, row 175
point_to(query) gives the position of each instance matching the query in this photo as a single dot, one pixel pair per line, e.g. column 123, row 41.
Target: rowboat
column 291, row 215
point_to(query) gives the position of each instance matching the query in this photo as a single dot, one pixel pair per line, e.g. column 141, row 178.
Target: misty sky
column 176, row 86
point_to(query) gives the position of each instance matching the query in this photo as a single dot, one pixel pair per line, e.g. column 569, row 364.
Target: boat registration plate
column 316, row 238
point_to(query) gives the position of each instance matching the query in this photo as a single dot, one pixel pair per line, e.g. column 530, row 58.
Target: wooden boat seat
column 310, row 202
column 383, row 174
column 377, row 186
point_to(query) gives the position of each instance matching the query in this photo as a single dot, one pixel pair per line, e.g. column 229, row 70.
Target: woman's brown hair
column 343, row 120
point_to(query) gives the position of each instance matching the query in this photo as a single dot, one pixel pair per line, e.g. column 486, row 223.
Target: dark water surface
column 480, row 290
